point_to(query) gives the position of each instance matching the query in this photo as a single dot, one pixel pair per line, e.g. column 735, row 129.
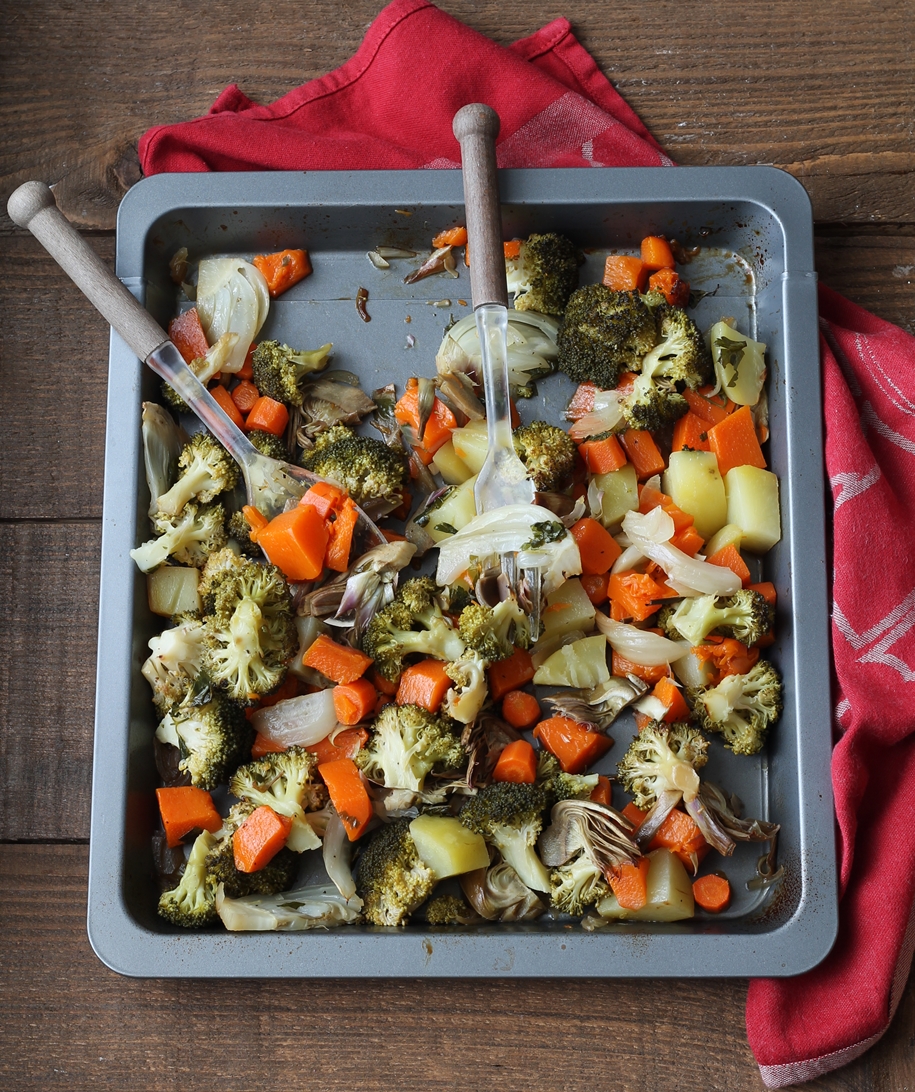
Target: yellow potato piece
column 447, row 846
column 752, row 498
column 693, row 483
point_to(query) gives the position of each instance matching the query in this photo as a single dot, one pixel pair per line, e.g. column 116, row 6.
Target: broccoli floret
column 391, row 878
column 745, row 616
column 548, row 453
column 212, row 736
column 268, row 444
column 509, row 815
column 682, row 354
column 190, row 537
column 741, row 707
column 192, row 904
column 277, row 875
column 177, row 656
column 577, row 885
column 285, row 781
column 604, row 333
column 493, row 632
column 250, row 628
column 450, row 910
column 560, row 785
column 407, row 743
column 413, row 623
column 544, row 274
column 652, row 403
column 238, row 529
column 206, row 470
column 467, row 697
column 661, row 758
column 366, row 468
column 278, row 370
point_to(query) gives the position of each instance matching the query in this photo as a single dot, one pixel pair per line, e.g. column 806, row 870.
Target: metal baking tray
column 754, row 228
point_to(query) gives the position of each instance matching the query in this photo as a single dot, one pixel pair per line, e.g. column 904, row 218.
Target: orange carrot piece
column 453, row 236
column 622, row 666
column 712, row 893
column 728, row 557
column 263, row 746
column 246, row 371
column 597, row 547
column 735, row 442
column 283, row 270
column 339, row 663
column 520, row 709
column 596, row 587
column 224, row 400
column 671, row 285
column 186, row 334
column 603, row 456
column 184, row 808
column 650, row 498
column 625, row 273
column 688, row 540
column 643, row 452
column 667, row 691
column 244, row 394
column 424, row 684
column 511, row 248
column 582, row 401
column 728, row 656
column 656, row 253
column 680, row 834
column 345, row 743
column 268, row 415
column 510, row 674
column 296, row 541
column 634, row 814
column 690, row 433
column 630, row 884
column 327, row 498
column 259, row 838
column 438, row 428
column 383, row 685
column 340, row 543
column 602, row 793
column 517, row 762
column 348, row 795
column 257, row 521
column 575, row 747
column 710, row 407
column 355, row 701
column 636, row 593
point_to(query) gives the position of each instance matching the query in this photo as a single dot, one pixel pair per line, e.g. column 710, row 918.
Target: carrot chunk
column 630, row 884
column 520, row 709
column 510, row 674
column 438, row 428
column 602, row 456
column 602, row 793
column 643, row 452
column 454, row 236
column 296, row 541
column 340, row 543
column 339, row 663
column 690, row 433
column 575, row 747
column 244, row 394
column 348, row 795
column 259, row 838
column 735, row 442
column 517, row 762
column 346, row 743
column 728, row 557
column 597, row 547
column 424, row 684
column 680, row 834
column 186, row 334
column 185, row 808
column 625, row 273
column 283, row 269
column 224, row 400
column 267, row 415
column 355, row 701
column 327, row 498
column 712, row 893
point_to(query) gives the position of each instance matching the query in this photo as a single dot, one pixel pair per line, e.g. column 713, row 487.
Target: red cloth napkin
column 557, row 110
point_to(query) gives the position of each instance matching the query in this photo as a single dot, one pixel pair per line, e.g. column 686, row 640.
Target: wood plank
column 70, row 1023
column 769, row 86
column 49, row 592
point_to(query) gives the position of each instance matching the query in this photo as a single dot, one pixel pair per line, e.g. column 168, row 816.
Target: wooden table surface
column 821, row 89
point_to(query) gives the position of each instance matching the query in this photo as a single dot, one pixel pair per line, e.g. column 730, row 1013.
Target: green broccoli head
column 741, row 708
column 450, row 910
column 197, row 531
column 407, row 743
column 604, row 333
column 279, row 874
column 663, row 758
column 268, row 444
column 278, row 370
column 192, row 904
column 250, row 628
column 682, row 354
column 493, row 632
column 561, row 785
column 652, row 403
column 176, row 659
column 746, row 616
column 577, row 885
column 366, row 468
column 510, row 817
column 238, row 530
column 212, row 736
column 206, row 470
column 544, row 274
column 548, row 453
column 391, row 878
column 467, row 697
column 412, row 623
column 285, row 781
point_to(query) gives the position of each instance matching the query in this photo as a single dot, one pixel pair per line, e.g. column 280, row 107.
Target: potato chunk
column 752, row 496
column 447, row 846
column 581, row 663
column 619, row 495
column 693, row 483
column 670, row 893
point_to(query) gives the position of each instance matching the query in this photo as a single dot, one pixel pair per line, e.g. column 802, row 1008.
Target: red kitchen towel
column 558, row 110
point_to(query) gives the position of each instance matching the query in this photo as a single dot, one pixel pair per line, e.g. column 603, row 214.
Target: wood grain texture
column 820, row 89
column 49, row 592
column 70, row 1023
